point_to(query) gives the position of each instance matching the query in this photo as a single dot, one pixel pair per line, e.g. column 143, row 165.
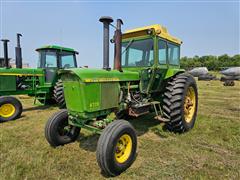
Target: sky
column 205, row 27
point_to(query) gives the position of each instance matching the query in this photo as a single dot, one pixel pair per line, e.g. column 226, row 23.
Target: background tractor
column 43, row 83
column 146, row 78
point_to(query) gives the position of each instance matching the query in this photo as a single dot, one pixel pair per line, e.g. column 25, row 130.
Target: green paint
column 86, row 75
column 56, row 47
column 172, row 72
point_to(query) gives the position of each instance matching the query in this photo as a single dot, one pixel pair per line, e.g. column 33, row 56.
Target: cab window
column 51, row 59
column 137, row 53
column 162, row 52
column 67, row 60
column 173, row 54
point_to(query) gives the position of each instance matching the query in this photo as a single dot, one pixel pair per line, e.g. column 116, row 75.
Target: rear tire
column 180, row 103
column 10, row 108
column 58, row 94
column 116, row 149
column 58, row 131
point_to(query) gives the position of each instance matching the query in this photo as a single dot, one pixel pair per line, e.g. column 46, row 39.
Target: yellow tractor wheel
column 10, row 108
column 116, row 149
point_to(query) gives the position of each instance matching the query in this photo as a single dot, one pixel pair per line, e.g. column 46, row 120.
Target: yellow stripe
column 16, row 74
column 102, row 80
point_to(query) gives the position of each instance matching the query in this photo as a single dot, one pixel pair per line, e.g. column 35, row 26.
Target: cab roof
column 159, row 30
column 56, row 47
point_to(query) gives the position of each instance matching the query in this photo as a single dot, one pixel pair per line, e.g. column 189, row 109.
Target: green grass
column 211, row 150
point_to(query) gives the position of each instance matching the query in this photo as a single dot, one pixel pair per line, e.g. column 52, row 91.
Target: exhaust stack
column 18, row 52
column 118, row 46
column 106, row 20
column 5, row 51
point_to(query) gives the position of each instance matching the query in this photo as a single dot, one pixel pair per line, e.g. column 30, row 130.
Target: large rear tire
column 58, row 94
column 116, row 149
column 58, row 131
column 10, row 108
column 180, row 103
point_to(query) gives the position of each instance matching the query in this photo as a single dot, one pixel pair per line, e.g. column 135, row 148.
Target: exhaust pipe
column 118, row 46
column 5, row 50
column 18, row 52
column 106, row 20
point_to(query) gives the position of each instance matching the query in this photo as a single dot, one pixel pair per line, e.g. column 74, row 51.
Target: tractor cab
column 52, row 58
column 153, row 52
column 150, row 46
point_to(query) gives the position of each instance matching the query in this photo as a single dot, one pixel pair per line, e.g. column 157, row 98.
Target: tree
column 211, row 62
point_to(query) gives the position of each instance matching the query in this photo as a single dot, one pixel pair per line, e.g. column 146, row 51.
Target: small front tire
column 116, row 149
column 58, row 131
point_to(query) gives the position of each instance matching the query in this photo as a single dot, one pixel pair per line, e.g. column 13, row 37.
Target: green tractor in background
column 43, row 83
column 146, row 79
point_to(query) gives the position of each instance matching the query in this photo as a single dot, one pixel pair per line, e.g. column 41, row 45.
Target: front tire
column 10, row 108
column 116, row 149
column 58, row 131
column 180, row 103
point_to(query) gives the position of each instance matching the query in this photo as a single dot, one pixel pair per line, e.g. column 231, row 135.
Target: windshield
column 47, row 59
column 137, row 53
column 67, row 60
column 56, row 59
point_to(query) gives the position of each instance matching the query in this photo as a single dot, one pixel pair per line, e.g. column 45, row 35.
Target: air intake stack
column 5, row 51
column 18, row 52
column 106, row 20
column 118, row 46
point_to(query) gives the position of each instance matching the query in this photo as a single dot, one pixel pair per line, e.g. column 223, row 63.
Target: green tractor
column 43, row 83
column 146, row 78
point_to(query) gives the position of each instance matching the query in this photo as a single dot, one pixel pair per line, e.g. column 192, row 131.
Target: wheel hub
column 7, row 110
column 123, row 148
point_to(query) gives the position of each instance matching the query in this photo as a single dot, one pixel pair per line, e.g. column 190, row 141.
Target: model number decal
column 94, row 104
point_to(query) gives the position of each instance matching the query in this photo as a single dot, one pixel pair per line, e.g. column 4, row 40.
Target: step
column 40, row 97
column 155, row 103
column 162, row 119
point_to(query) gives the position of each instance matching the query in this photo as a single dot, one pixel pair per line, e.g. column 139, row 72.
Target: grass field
column 211, row 150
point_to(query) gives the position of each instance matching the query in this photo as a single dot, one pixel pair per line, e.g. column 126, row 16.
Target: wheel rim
column 65, row 129
column 123, row 148
column 189, row 104
column 7, row 110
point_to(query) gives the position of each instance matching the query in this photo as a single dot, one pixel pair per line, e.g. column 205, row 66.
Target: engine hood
column 101, row 75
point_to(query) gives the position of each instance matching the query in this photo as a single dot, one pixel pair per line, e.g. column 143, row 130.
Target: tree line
column 211, row 62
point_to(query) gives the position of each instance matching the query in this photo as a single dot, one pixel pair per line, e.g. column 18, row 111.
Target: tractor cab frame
column 152, row 52
column 52, row 58
column 57, row 57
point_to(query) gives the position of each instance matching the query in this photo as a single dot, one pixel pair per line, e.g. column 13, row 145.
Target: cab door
column 49, row 62
column 161, row 65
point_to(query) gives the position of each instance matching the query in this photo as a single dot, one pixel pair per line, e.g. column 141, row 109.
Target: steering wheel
column 66, row 66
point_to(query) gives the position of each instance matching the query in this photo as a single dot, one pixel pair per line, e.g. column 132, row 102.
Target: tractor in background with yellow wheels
column 42, row 83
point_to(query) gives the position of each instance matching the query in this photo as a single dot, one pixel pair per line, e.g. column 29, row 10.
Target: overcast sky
column 205, row 27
